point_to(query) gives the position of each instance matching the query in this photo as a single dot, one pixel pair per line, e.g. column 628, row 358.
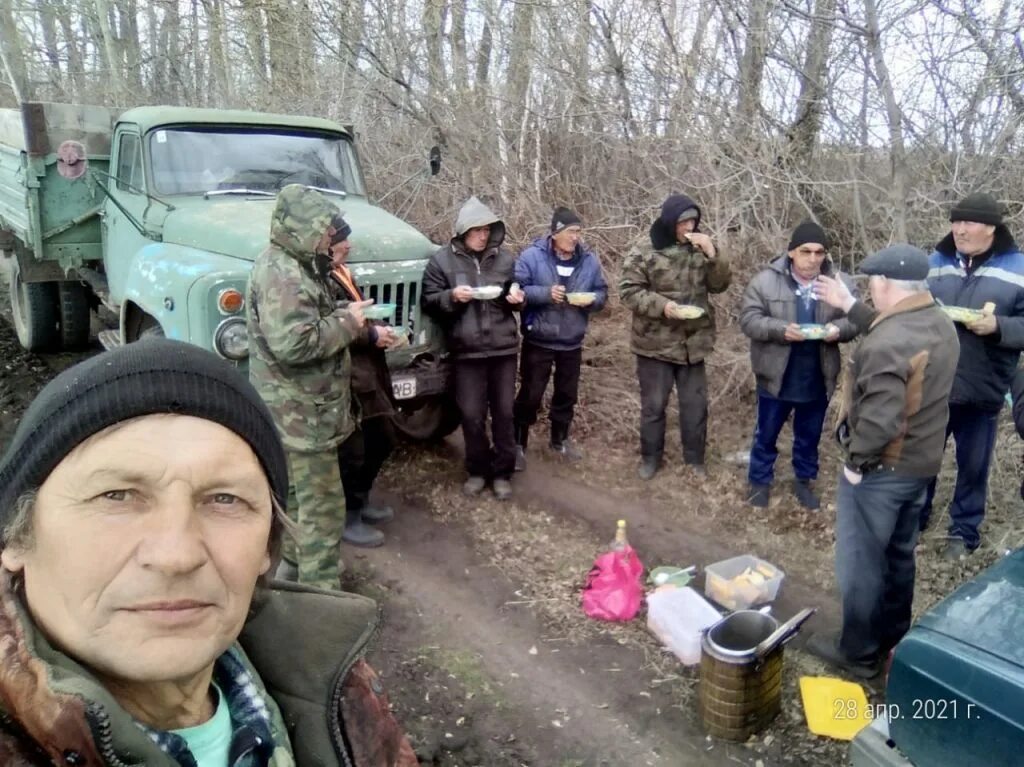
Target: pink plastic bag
column 613, row 591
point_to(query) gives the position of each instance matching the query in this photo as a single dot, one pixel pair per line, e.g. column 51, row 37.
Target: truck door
column 124, row 211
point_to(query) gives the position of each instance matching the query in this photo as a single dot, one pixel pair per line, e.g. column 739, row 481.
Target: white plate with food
column 686, row 312
column 581, row 299
column 486, row 292
column 813, row 332
column 963, row 314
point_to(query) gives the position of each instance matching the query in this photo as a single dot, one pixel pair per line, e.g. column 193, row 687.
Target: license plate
column 403, row 388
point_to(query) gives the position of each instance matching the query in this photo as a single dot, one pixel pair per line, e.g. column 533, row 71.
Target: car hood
column 240, row 227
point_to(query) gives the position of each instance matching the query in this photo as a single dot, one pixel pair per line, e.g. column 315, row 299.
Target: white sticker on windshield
column 161, row 137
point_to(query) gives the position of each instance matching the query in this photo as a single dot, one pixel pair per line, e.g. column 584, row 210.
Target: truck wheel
column 74, row 315
column 36, row 312
column 431, row 419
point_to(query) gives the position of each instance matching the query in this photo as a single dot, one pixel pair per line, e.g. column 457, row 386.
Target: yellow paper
column 834, row 707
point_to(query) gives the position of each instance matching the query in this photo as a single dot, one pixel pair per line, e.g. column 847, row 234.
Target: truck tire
column 74, row 315
column 36, row 311
column 430, row 419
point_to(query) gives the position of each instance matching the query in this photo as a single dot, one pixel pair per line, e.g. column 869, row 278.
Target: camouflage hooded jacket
column 298, row 342
column 662, row 270
column 319, row 704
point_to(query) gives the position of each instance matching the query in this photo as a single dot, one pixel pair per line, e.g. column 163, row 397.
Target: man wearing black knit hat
column 794, row 352
column 564, row 285
column 363, row 453
column 977, row 266
column 666, row 282
column 141, row 507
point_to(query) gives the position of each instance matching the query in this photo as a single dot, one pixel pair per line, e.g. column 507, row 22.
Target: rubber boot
column 376, row 515
column 358, row 533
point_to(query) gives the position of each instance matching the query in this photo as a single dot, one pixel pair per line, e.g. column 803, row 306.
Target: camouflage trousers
column 316, row 503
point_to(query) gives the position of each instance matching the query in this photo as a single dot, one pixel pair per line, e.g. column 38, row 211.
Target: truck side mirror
column 435, row 160
column 72, row 161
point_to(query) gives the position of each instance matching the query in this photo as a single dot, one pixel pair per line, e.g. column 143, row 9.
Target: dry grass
column 548, row 555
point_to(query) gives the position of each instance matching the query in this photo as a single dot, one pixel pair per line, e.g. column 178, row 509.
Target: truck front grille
column 405, row 297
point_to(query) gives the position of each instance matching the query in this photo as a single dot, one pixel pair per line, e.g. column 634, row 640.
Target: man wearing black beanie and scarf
column 141, row 509
column 796, row 371
column 666, row 283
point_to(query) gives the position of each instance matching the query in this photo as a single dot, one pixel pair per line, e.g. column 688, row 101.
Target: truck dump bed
column 48, row 218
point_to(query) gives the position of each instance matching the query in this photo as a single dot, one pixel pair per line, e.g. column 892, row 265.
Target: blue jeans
column 876, row 531
column 974, row 432
column 772, row 414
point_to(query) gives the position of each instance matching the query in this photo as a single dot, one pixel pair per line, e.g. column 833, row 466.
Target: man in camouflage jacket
column 299, row 363
column 680, row 266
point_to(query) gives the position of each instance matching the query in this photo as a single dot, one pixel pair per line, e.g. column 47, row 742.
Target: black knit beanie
column 563, row 218
column 341, row 229
column 151, row 376
column 808, row 231
column 979, row 207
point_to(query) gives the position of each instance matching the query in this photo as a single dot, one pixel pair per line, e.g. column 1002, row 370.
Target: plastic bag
column 614, row 591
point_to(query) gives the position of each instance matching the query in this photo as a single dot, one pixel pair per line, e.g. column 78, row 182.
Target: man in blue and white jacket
column 976, row 263
column 550, row 269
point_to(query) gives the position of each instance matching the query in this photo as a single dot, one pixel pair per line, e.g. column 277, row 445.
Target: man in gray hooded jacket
column 482, row 336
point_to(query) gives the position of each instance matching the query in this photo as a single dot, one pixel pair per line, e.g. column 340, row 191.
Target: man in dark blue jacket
column 563, row 285
column 978, row 263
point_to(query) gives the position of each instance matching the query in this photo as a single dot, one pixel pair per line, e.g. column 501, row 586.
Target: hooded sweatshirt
column 298, row 343
column 476, row 329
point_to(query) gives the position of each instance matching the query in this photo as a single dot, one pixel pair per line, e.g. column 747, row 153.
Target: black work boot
column 649, row 466
column 827, row 648
column 804, row 495
column 759, row 496
column 522, row 439
column 561, row 444
column 358, row 533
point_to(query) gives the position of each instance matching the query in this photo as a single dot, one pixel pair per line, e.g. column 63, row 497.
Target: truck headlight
column 231, row 339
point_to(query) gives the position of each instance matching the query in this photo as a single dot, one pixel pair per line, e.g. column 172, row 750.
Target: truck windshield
column 198, row 160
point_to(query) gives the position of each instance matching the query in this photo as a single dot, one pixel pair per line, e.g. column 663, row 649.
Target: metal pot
column 740, row 688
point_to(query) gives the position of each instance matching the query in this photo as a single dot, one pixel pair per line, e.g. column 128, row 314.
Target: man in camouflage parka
column 679, row 266
column 299, row 363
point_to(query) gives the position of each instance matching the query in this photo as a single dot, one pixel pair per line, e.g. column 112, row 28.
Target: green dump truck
column 157, row 213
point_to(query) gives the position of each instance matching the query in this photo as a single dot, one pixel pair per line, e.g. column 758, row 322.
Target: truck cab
column 168, row 218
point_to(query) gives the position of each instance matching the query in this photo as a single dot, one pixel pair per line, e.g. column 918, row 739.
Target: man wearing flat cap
column 677, row 267
column 892, row 427
column 796, row 374
column 141, row 509
column 978, row 263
